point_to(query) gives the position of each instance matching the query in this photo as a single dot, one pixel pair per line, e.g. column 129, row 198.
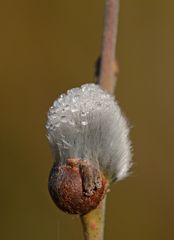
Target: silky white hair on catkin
column 87, row 123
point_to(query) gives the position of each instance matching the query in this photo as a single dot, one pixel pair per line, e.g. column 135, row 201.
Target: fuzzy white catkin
column 87, row 123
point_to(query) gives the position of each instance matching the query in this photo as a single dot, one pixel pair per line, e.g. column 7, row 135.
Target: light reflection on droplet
column 84, row 123
column 83, row 114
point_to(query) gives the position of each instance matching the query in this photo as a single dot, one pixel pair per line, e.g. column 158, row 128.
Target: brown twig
column 108, row 67
column 93, row 222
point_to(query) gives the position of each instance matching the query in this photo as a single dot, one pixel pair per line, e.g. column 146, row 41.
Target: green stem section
column 93, row 222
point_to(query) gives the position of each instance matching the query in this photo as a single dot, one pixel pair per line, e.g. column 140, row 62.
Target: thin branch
column 108, row 67
column 93, row 223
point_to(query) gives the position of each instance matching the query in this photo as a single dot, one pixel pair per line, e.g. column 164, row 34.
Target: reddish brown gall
column 77, row 187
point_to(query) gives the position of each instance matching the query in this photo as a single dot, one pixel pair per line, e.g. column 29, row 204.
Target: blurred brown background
column 47, row 47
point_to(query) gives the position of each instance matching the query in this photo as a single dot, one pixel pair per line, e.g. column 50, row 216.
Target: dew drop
column 84, row 123
column 74, row 100
column 83, row 114
column 57, row 125
column 84, row 87
column 55, row 104
column 62, row 96
column 73, row 110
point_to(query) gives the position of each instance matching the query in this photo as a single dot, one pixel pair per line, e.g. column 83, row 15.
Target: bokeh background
column 49, row 46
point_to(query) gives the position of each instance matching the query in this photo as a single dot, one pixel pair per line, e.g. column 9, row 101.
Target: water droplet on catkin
column 84, row 123
column 73, row 110
column 83, row 114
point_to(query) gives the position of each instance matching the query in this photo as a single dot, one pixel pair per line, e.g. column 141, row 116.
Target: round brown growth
column 76, row 187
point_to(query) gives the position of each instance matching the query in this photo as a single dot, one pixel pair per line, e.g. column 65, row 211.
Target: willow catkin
column 87, row 124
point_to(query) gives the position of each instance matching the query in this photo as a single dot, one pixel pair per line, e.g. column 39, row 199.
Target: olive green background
column 47, row 47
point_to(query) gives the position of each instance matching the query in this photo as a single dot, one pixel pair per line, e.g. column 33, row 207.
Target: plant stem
column 93, row 223
column 108, row 67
